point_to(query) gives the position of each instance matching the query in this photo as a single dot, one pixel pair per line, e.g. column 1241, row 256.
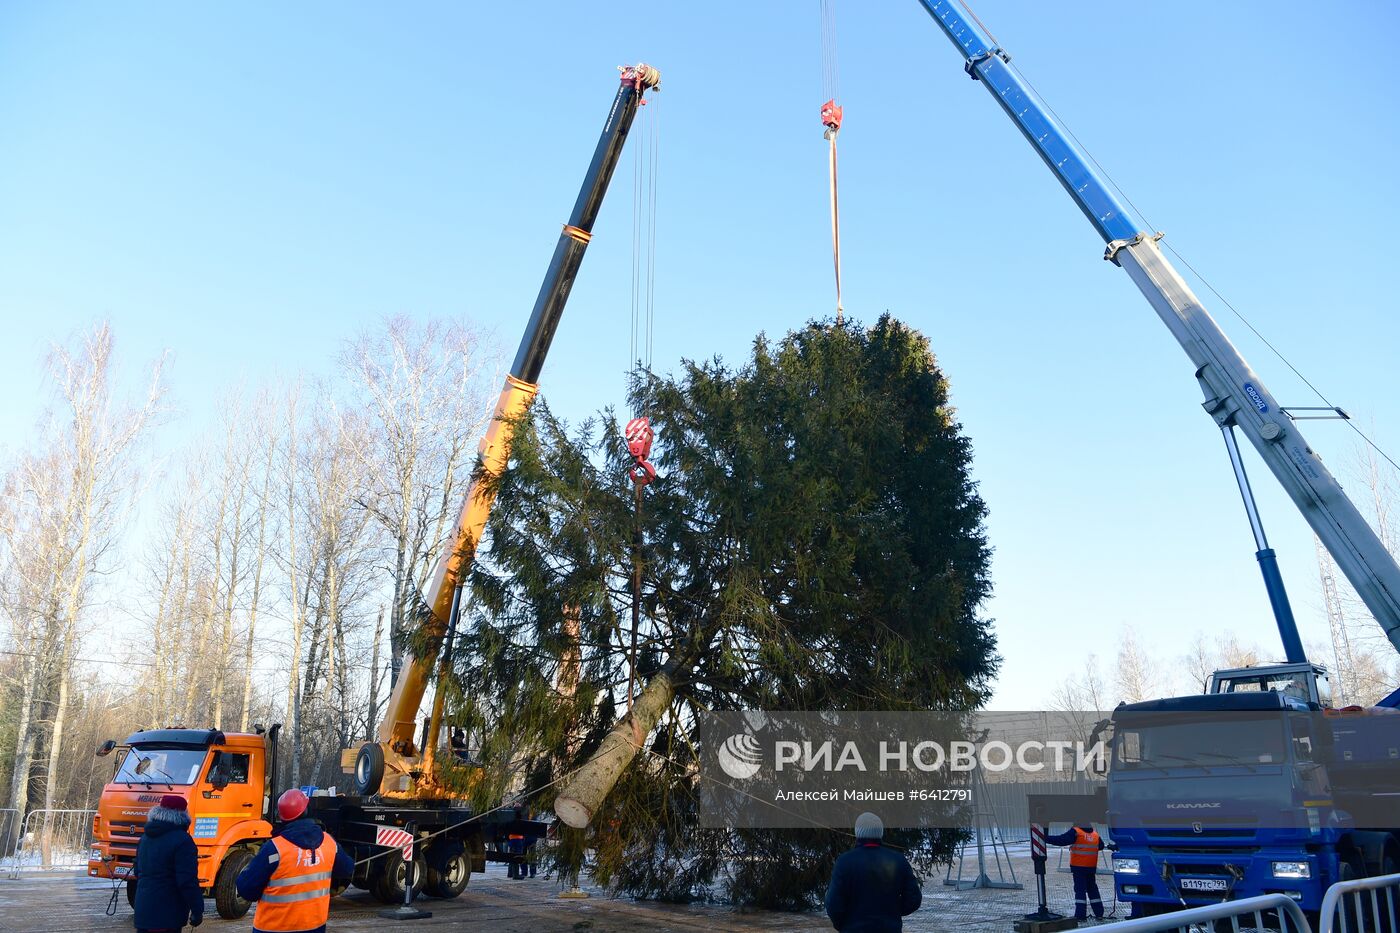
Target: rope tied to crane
column 831, row 114
column 831, row 119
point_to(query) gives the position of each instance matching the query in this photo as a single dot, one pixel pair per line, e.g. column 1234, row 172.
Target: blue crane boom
column 1234, row 395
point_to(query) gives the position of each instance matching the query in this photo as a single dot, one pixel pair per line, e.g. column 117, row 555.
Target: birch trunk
column 373, row 714
column 196, row 686
column 293, row 674
column 24, row 742
column 226, row 636
column 263, row 509
column 60, row 720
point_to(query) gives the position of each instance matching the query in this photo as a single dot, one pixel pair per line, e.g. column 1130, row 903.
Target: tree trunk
column 591, row 784
column 182, row 606
column 372, row 719
column 226, row 636
column 198, row 687
column 60, row 719
column 24, row 742
column 293, row 679
column 263, row 509
column 401, row 596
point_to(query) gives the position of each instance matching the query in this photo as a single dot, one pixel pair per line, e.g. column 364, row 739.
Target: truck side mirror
column 219, row 778
column 106, row 748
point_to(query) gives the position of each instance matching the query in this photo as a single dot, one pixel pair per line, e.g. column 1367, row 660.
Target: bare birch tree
column 1134, row 676
column 426, row 390
column 80, row 486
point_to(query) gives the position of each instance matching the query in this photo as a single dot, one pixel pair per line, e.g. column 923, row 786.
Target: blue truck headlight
column 1292, row 870
column 1129, row 866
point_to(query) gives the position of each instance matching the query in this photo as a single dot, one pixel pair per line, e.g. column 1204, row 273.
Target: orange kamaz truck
column 226, row 780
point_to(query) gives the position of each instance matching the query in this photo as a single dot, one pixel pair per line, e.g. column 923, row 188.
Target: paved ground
column 66, row 902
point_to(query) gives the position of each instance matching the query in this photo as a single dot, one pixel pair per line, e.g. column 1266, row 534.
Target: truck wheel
column 387, row 883
column 369, row 769
column 451, row 879
column 227, row 900
column 131, row 892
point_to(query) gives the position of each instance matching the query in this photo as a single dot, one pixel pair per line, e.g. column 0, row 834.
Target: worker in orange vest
column 1084, row 845
column 292, row 873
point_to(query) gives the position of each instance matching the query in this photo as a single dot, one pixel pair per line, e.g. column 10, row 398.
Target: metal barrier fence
column 1366, row 905
column 1252, row 913
column 52, row 839
column 1010, row 805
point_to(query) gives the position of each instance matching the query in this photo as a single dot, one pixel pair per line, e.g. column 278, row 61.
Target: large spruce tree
column 813, row 541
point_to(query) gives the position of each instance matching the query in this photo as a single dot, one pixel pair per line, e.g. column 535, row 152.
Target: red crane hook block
column 643, row 473
column 831, row 115
column 639, row 437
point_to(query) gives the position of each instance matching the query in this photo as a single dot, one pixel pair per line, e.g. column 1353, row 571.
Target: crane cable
column 831, row 120
column 644, row 188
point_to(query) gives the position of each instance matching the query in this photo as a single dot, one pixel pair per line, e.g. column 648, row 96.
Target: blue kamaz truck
column 1253, row 788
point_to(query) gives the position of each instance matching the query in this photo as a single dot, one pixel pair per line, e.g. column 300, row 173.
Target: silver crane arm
column 1235, row 396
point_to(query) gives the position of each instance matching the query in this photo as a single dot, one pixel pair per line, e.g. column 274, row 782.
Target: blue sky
column 245, row 185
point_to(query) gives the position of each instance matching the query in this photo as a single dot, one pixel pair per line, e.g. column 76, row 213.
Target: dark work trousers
column 517, row 869
column 1086, row 891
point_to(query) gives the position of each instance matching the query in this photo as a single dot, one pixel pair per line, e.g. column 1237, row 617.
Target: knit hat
column 868, row 826
column 173, row 802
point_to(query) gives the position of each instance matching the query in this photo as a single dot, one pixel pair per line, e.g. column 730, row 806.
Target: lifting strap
column 639, row 435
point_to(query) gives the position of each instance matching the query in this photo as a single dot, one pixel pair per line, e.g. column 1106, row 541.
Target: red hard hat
column 291, row 804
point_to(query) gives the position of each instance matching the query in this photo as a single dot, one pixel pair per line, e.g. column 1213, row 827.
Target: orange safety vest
column 298, row 896
column 1084, row 852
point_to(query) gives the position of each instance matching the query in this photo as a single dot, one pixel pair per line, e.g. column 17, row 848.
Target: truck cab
column 223, row 778
column 1222, row 796
column 1303, row 681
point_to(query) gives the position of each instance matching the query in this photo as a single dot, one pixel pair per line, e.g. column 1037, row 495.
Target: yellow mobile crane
column 230, row 780
column 397, row 765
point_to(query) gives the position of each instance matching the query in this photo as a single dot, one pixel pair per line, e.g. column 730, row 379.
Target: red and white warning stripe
column 395, row 838
column 1037, row 841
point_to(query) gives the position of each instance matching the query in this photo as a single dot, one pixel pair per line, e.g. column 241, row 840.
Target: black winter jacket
column 167, row 873
column 871, row 888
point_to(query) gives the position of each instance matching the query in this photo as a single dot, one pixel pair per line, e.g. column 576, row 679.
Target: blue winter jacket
column 167, row 873
column 253, row 879
column 871, row 888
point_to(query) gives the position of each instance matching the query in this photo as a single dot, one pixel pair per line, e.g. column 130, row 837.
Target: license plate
column 1203, row 884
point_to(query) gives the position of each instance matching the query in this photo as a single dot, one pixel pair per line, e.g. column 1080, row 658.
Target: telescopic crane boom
column 395, row 763
column 1234, row 395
